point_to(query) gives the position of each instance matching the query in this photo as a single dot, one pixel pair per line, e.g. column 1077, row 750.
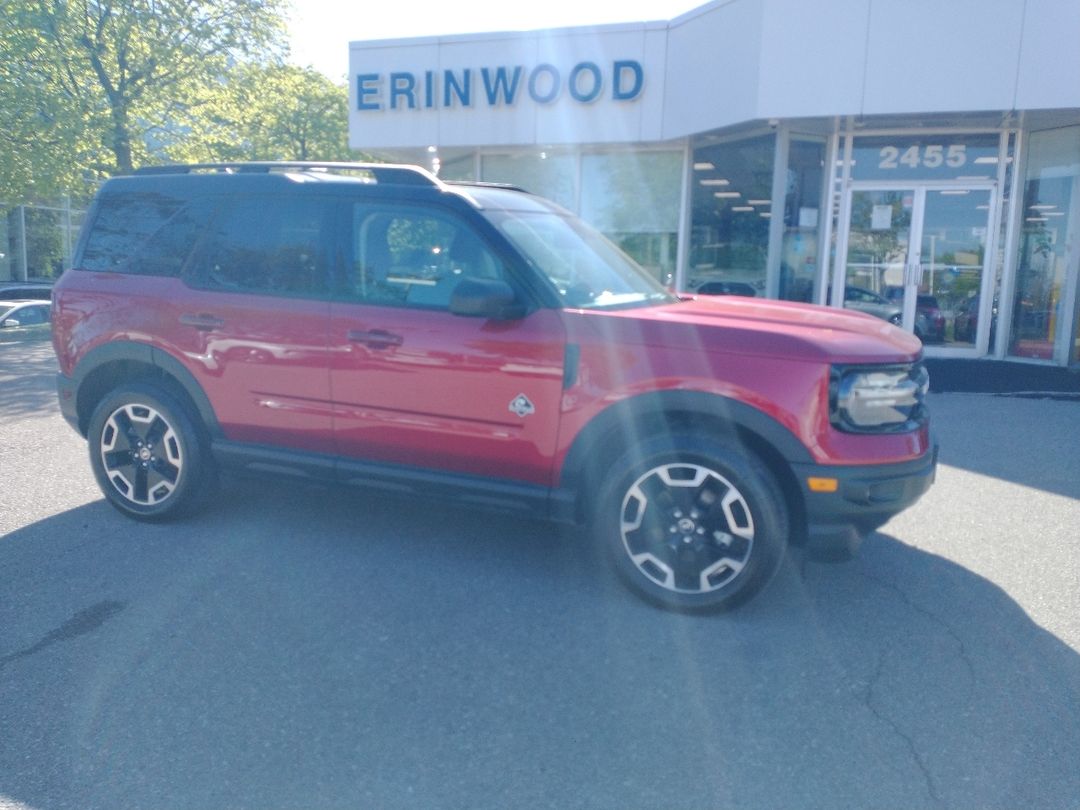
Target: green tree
column 266, row 112
column 96, row 84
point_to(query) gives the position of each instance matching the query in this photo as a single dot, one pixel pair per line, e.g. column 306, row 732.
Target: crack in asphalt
column 867, row 695
column 868, row 698
column 868, row 701
column 85, row 621
column 936, row 619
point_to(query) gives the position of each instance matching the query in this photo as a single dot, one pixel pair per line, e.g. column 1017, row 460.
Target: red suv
column 369, row 324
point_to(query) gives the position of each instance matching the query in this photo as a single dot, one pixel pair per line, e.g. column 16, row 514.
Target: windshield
column 585, row 269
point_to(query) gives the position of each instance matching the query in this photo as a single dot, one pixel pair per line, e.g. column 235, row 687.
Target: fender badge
column 521, row 406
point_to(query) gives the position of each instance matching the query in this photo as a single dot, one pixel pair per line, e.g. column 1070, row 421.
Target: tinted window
column 166, row 252
column 271, row 246
column 413, row 257
column 40, row 293
column 122, row 226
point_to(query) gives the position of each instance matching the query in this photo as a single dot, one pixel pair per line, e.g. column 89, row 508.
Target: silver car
column 24, row 320
column 872, row 304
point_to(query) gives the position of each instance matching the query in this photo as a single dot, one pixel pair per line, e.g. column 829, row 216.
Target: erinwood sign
column 585, row 83
column 478, row 91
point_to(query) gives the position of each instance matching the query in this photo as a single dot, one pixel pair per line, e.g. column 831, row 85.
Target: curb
column 1003, row 377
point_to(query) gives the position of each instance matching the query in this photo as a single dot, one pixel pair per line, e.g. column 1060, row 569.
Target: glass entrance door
column 918, row 257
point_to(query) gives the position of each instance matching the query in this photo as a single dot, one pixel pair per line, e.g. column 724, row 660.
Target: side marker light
column 823, row 484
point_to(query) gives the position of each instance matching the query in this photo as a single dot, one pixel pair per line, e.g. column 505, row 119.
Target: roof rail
column 487, row 184
column 387, row 173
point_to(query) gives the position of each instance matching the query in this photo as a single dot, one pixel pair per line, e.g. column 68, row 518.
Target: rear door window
column 269, row 246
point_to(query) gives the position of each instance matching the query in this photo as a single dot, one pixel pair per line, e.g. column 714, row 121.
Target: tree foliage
column 267, row 112
column 97, row 87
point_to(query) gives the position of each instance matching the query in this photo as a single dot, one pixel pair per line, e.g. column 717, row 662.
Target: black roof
column 250, row 177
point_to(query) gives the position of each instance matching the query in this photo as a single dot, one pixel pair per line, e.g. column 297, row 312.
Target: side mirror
column 486, row 298
column 10, row 322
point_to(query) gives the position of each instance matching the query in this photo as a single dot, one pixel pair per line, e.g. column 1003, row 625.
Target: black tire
column 692, row 523
column 149, row 453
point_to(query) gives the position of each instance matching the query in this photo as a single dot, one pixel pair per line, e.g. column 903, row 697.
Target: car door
column 414, row 384
column 252, row 320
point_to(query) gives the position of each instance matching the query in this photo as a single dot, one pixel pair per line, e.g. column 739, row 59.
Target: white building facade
column 917, row 160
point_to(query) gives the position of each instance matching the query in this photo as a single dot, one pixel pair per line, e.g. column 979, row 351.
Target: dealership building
column 916, row 160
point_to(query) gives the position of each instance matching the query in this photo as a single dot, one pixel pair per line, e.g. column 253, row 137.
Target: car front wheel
column 149, row 454
column 693, row 523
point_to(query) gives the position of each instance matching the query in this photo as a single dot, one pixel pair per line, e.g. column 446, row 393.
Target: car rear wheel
column 149, row 454
column 693, row 523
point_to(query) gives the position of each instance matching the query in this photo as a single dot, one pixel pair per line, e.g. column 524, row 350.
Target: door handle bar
column 376, row 338
column 203, row 322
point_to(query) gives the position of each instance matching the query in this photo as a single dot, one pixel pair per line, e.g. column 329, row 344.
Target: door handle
column 376, row 338
column 203, row 321
column 913, row 273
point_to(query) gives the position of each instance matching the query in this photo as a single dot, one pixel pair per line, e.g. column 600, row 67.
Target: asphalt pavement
column 297, row 646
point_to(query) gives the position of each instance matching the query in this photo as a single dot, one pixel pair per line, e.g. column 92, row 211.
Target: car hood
column 763, row 327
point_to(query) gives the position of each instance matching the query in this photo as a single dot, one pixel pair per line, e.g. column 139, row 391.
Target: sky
column 320, row 30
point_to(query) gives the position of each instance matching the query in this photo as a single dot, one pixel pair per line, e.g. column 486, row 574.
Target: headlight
column 878, row 399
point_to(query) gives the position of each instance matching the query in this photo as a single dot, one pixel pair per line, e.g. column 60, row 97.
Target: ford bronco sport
column 370, row 324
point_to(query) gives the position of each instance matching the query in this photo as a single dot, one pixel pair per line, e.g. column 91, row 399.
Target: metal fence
column 36, row 241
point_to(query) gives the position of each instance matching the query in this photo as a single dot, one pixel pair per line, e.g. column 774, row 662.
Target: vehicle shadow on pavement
column 27, row 380
column 297, row 646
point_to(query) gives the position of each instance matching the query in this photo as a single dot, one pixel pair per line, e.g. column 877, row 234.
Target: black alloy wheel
column 149, row 455
column 693, row 523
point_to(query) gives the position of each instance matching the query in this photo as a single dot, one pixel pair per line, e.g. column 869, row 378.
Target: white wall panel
column 712, row 73
column 1049, row 74
column 942, row 55
column 812, row 58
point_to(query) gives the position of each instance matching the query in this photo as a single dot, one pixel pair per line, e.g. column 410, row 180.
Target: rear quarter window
column 144, row 234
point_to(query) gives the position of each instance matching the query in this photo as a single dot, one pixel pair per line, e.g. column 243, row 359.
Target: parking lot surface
column 301, row 646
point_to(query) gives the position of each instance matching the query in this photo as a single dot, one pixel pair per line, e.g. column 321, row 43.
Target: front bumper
column 863, row 498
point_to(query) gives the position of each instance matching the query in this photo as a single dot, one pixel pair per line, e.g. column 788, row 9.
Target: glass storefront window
column 731, row 198
column 547, row 174
column 998, row 265
column 633, row 199
column 905, row 158
column 461, row 168
column 802, row 219
column 1048, row 246
column 1075, row 358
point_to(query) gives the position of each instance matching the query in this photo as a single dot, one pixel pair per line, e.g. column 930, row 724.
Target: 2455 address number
column 931, row 157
